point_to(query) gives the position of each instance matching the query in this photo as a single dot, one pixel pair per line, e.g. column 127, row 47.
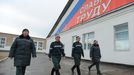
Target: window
column 35, row 43
column 121, row 37
column 40, row 45
column 87, row 40
column 2, row 42
column 74, row 38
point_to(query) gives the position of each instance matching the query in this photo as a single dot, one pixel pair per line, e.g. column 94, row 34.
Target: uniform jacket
column 56, row 49
column 77, row 49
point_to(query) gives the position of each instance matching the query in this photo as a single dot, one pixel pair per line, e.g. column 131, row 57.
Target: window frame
column 114, row 27
column 37, row 46
column 73, row 38
column 83, row 39
column 40, row 47
column 4, row 43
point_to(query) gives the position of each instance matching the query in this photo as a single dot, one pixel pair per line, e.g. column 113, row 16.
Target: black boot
column 72, row 69
column 89, row 68
column 52, row 72
column 99, row 73
column 78, row 70
column 57, row 72
column 98, row 69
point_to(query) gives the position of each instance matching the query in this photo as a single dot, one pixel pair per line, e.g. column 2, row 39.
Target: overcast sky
column 38, row 16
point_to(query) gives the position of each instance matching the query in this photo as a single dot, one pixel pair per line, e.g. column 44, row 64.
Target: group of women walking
column 57, row 51
column 23, row 48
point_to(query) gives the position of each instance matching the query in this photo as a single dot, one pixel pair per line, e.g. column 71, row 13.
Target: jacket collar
column 22, row 37
column 96, row 45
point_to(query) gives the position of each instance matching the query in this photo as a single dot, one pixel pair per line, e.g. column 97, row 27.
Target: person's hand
column 50, row 59
column 34, row 57
column 10, row 57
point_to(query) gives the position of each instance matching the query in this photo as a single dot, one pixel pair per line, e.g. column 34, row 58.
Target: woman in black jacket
column 95, row 55
column 55, row 53
column 21, row 51
column 77, row 52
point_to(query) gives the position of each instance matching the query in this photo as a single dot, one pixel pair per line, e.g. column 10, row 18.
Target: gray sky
column 38, row 16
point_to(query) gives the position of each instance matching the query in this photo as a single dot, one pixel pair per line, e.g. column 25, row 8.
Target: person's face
column 95, row 42
column 78, row 39
column 25, row 33
column 57, row 38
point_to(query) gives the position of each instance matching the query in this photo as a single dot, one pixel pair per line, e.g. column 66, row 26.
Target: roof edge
column 60, row 17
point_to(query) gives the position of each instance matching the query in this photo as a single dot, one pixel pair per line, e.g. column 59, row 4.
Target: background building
column 6, row 41
column 108, row 21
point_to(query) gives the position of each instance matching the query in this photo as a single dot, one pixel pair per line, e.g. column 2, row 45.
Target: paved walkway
column 42, row 66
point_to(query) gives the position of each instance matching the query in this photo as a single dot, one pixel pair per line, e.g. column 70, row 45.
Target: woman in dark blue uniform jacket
column 77, row 52
column 55, row 53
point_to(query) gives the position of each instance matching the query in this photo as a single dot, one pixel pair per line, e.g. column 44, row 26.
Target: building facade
column 111, row 22
column 6, row 41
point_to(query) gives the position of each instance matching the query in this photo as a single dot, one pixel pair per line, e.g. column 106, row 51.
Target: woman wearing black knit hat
column 21, row 51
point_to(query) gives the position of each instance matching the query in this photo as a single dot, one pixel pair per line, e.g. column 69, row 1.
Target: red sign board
column 93, row 8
